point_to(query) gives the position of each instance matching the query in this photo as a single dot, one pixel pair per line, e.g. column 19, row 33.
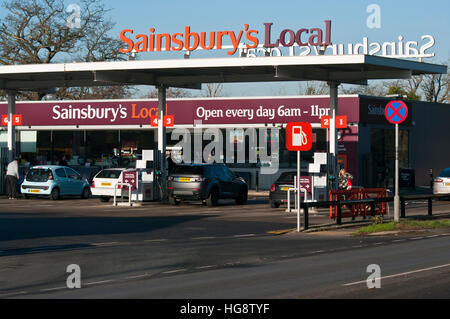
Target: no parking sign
column 396, row 112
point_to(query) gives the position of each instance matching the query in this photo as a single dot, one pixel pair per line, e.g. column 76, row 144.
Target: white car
column 441, row 184
column 104, row 182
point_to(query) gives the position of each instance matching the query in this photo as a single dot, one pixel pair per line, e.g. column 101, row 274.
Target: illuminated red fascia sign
column 341, row 121
column 191, row 41
column 299, row 136
column 396, row 112
column 168, row 120
column 16, row 118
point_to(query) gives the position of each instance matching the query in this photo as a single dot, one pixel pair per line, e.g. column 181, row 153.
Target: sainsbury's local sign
column 250, row 42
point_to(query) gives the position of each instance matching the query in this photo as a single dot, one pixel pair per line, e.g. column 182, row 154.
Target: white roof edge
column 219, row 62
column 195, row 99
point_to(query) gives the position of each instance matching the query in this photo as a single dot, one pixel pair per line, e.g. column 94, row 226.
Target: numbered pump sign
column 168, row 121
column 298, row 136
column 16, row 119
column 341, row 121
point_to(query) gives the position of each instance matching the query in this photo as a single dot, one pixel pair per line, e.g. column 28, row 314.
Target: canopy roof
column 191, row 73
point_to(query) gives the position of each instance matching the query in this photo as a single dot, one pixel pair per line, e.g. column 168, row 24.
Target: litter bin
column 407, row 178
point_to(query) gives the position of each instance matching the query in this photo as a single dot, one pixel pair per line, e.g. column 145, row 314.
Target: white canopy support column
column 333, row 136
column 162, row 139
column 11, row 127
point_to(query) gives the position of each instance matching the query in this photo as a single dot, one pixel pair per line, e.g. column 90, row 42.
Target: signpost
column 396, row 112
column 298, row 138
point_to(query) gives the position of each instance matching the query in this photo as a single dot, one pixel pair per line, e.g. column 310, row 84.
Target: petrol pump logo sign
column 396, row 112
column 298, row 136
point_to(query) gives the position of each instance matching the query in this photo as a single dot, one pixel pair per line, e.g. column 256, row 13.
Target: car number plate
column 106, row 184
column 184, row 179
column 35, row 191
column 285, row 188
column 447, row 184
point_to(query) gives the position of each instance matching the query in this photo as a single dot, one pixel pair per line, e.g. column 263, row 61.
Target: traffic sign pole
column 396, row 112
column 396, row 198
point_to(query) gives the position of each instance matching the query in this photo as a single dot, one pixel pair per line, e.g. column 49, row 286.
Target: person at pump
column 12, row 176
column 345, row 180
column 63, row 161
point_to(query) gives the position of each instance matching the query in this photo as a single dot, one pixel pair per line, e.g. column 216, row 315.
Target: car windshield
column 38, row 175
column 287, row 177
column 109, row 173
column 187, row 170
column 445, row 173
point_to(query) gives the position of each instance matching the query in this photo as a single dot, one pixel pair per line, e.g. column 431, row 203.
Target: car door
column 75, row 181
column 62, row 181
column 226, row 181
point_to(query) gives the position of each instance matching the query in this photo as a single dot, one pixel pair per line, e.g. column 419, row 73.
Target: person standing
column 345, row 180
column 12, row 176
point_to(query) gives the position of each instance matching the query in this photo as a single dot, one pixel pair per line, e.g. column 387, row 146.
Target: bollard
column 430, row 207
column 402, row 208
column 305, row 209
column 339, row 214
column 372, row 209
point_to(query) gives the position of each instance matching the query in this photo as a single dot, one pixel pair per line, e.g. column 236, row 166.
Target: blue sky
column 409, row 18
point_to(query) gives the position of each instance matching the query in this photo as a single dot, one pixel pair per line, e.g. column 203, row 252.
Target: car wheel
column 213, row 198
column 242, row 197
column 55, row 195
column 25, row 196
column 274, row 204
column 105, row 199
column 173, row 201
column 86, row 193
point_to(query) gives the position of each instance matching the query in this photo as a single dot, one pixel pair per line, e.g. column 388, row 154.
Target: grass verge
column 403, row 225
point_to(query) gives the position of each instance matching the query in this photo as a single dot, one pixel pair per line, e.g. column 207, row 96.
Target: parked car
column 54, row 181
column 441, row 184
column 278, row 190
column 207, row 183
column 104, row 182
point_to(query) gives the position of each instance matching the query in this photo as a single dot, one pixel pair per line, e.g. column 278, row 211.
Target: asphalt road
column 193, row 251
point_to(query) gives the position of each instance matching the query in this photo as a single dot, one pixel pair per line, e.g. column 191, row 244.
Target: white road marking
column 51, row 289
column 245, row 235
column 174, row 271
column 415, row 238
column 14, row 294
column 204, row 267
column 138, row 276
column 155, row 240
column 106, row 244
column 400, row 274
column 202, row 238
column 98, row 282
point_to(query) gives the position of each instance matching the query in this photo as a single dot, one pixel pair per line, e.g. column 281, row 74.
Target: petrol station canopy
column 191, row 73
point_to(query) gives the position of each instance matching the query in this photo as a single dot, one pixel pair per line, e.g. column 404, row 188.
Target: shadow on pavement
column 13, row 227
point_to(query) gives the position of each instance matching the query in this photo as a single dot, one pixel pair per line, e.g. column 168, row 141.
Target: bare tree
column 436, row 88
column 313, row 88
column 171, row 92
column 213, row 90
column 41, row 31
